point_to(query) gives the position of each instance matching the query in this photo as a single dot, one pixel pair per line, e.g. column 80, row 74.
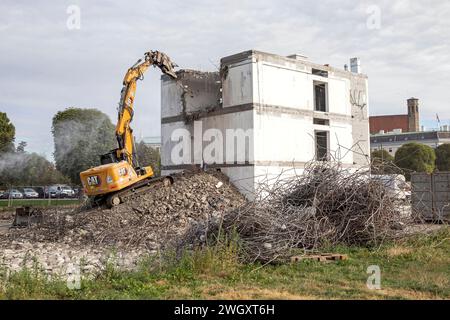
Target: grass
column 37, row 202
column 416, row 268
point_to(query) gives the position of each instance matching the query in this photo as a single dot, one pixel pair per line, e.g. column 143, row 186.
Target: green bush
column 415, row 157
column 443, row 157
column 382, row 162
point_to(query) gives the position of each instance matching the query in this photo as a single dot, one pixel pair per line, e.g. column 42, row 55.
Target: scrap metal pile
column 325, row 205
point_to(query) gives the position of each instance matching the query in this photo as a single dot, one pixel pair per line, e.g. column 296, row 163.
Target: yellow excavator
column 120, row 176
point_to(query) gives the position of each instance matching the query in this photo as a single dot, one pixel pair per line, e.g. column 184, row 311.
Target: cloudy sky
column 45, row 66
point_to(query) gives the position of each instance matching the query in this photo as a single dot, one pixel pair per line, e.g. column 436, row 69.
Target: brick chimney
column 413, row 115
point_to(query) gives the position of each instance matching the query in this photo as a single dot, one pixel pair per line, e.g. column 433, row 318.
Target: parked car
column 67, row 192
column 2, row 194
column 40, row 191
column 13, row 194
column 59, row 191
column 53, row 191
column 30, row 193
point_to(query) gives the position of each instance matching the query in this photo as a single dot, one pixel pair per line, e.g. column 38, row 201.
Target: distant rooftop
column 152, row 140
column 405, row 136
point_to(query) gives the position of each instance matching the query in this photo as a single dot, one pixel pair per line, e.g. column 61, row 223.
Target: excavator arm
column 124, row 132
column 120, row 176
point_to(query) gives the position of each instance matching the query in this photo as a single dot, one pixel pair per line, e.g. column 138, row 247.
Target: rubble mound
column 149, row 220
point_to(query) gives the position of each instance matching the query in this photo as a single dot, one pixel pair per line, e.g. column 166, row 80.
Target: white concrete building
column 289, row 109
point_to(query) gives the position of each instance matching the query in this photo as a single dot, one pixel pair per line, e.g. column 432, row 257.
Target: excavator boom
column 120, row 173
column 124, row 133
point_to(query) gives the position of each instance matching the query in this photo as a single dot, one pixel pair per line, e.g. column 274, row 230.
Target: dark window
column 320, row 97
column 321, row 145
column 322, row 122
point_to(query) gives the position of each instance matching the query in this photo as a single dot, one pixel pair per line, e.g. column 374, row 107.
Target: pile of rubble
column 64, row 258
column 134, row 229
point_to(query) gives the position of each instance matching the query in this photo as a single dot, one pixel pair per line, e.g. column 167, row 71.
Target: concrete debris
column 134, row 229
column 61, row 258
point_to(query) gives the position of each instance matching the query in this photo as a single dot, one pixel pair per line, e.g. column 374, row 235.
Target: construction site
column 214, row 159
column 221, row 185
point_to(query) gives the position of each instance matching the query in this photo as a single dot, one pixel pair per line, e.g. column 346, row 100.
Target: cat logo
column 93, row 180
column 123, row 171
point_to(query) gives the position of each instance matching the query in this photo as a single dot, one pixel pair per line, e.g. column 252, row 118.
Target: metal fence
column 13, row 196
column 430, row 197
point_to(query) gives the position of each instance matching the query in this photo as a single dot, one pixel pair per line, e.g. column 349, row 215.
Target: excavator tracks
column 127, row 194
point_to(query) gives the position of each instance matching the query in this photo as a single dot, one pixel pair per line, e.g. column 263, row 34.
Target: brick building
column 397, row 123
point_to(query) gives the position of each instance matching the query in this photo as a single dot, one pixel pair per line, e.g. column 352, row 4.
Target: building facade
column 263, row 115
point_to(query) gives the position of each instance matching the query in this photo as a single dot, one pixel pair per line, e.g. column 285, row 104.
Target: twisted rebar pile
column 324, row 205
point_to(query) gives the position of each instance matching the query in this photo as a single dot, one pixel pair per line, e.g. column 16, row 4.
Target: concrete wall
column 237, row 84
column 430, row 195
column 181, row 100
column 192, row 103
column 284, row 111
column 191, row 92
column 359, row 100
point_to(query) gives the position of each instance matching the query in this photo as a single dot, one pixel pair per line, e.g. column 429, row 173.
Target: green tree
column 21, row 147
column 415, row 157
column 443, row 157
column 80, row 136
column 382, row 162
column 7, row 134
column 26, row 169
column 147, row 156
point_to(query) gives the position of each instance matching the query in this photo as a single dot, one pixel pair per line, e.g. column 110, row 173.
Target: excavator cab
column 110, row 157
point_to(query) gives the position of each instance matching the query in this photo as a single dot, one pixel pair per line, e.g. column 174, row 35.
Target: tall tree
column 147, row 156
column 443, row 157
column 7, row 134
column 415, row 157
column 80, row 136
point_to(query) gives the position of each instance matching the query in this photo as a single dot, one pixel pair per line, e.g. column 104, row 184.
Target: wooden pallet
column 324, row 257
